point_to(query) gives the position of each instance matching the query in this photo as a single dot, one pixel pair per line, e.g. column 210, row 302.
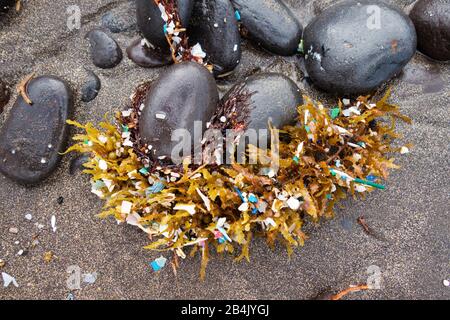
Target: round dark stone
column 271, row 24
column 105, row 51
column 185, row 93
column 214, row 26
column 91, row 87
column 351, row 49
column 4, row 95
column 119, row 22
column 151, row 24
column 275, row 97
column 432, row 21
column 145, row 57
column 34, row 135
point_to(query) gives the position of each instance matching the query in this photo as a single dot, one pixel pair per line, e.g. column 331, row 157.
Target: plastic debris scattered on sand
column 53, row 223
column 158, row 263
column 90, row 278
column 7, row 280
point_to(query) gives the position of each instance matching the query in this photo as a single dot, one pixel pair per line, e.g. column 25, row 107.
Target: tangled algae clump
column 331, row 153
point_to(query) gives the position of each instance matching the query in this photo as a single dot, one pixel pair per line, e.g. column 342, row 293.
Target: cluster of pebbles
column 345, row 51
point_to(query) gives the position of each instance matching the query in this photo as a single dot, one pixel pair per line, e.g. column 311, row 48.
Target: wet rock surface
column 105, row 51
column 33, row 135
column 275, row 97
column 432, row 21
column 91, row 87
column 271, row 24
column 4, row 95
column 215, row 27
column 348, row 52
column 151, row 24
column 185, row 93
column 410, row 213
column 143, row 56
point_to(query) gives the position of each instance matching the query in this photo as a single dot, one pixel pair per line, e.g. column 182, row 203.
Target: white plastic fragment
column 346, row 102
column 90, row 278
column 293, row 203
column 197, row 51
column 446, row 283
column 126, row 207
column 352, row 110
column 53, row 223
column 102, row 139
column 7, row 280
column 186, row 207
column 126, row 113
column 205, row 199
column 270, row 222
column 103, row 165
column 404, row 150
column 28, row 216
column 243, row 207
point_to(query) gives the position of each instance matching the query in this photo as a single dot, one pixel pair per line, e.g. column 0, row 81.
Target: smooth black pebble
column 214, row 26
column 275, row 97
column 432, row 21
column 34, row 135
column 271, row 24
column 349, row 51
column 91, row 87
column 105, row 51
column 185, row 93
column 143, row 56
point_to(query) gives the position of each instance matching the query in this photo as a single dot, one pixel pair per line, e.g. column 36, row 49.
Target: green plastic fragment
column 143, row 171
column 125, row 128
column 369, row 183
column 334, row 113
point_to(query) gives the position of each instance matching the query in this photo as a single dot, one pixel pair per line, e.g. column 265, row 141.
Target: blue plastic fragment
column 308, row 130
column 155, row 188
column 155, row 266
column 222, row 240
column 329, row 197
column 296, row 159
column 144, row 171
column 255, row 210
column 165, row 28
column 252, row 198
column 237, row 15
column 240, row 194
column 371, row 177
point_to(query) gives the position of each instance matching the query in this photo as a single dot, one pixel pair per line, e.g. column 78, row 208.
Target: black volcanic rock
column 271, row 24
column 151, row 24
column 349, row 52
column 215, row 27
column 143, row 56
column 91, row 87
column 275, row 97
column 34, row 135
column 105, row 51
column 432, row 21
column 185, row 93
